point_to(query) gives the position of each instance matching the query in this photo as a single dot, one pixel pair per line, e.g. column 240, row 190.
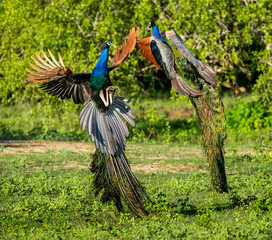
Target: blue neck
column 156, row 33
column 103, row 60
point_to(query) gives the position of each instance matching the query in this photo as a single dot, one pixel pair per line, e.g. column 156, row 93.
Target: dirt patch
column 11, row 147
column 43, row 146
column 157, row 167
column 179, row 113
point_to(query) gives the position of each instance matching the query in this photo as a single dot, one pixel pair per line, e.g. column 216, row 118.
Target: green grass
column 48, row 196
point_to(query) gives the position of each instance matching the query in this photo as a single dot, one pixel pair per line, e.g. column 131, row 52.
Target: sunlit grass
column 49, row 195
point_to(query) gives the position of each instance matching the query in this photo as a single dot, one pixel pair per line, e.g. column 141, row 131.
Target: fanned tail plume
column 114, row 178
column 211, row 118
column 113, row 175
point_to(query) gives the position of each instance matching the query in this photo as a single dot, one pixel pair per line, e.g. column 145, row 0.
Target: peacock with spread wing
column 103, row 116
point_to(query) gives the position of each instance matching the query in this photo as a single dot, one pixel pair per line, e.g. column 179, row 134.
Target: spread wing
column 128, row 47
column 59, row 80
column 179, row 85
column 146, row 51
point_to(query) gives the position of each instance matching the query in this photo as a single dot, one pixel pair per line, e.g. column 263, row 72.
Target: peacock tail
column 210, row 117
column 112, row 174
column 114, row 179
column 197, row 80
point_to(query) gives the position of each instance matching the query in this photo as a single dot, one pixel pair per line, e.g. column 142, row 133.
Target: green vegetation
column 48, row 195
column 233, row 36
column 156, row 120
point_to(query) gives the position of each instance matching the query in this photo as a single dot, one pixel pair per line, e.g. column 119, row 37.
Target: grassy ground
column 48, row 195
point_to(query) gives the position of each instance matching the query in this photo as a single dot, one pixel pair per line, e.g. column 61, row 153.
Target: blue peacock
column 197, row 80
column 103, row 116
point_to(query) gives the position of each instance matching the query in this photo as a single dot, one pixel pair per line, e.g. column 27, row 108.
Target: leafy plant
column 232, row 36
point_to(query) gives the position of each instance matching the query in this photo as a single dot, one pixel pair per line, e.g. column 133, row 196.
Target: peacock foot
column 109, row 95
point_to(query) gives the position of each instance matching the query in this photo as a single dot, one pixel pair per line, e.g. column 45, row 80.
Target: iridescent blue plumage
column 156, row 33
column 100, row 72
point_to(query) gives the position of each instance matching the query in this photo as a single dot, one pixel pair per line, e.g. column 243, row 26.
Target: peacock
column 157, row 50
column 206, row 100
column 103, row 116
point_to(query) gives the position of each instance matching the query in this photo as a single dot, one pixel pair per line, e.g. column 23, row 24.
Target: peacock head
column 108, row 44
column 151, row 24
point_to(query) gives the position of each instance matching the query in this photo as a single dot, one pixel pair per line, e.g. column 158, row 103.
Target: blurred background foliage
column 233, row 36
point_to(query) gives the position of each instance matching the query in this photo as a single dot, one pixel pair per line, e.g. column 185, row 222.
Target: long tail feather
column 211, row 118
column 209, row 108
column 114, row 178
column 113, row 175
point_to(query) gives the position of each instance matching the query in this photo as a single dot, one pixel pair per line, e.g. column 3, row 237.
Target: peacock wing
column 59, row 80
column 206, row 71
column 146, row 51
column 127, row 48
column 208, row 74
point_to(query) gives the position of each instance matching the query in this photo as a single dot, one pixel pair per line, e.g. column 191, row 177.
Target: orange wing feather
column 128, row 47
column 48, row 70
column 145, row 50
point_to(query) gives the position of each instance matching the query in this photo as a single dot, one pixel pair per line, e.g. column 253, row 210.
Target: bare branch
column 81, row 30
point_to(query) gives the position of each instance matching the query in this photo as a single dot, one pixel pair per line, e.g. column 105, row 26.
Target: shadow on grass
column 182, row 206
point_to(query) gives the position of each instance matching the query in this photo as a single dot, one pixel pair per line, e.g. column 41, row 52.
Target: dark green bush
column 248, row 116
column 233, row 36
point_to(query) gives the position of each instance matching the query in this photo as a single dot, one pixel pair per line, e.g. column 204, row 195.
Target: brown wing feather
column 116, row 56
column 128, row 47
column 47, row 70
column 145, row 50
column 58, row 80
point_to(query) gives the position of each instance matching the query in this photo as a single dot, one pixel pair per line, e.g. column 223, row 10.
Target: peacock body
column 211, row 118
column 205, row 98
column 157, row 50
column 104, row 116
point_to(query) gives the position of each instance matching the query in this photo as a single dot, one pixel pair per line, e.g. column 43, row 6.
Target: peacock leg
column 110, row 91
column 105, row 101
